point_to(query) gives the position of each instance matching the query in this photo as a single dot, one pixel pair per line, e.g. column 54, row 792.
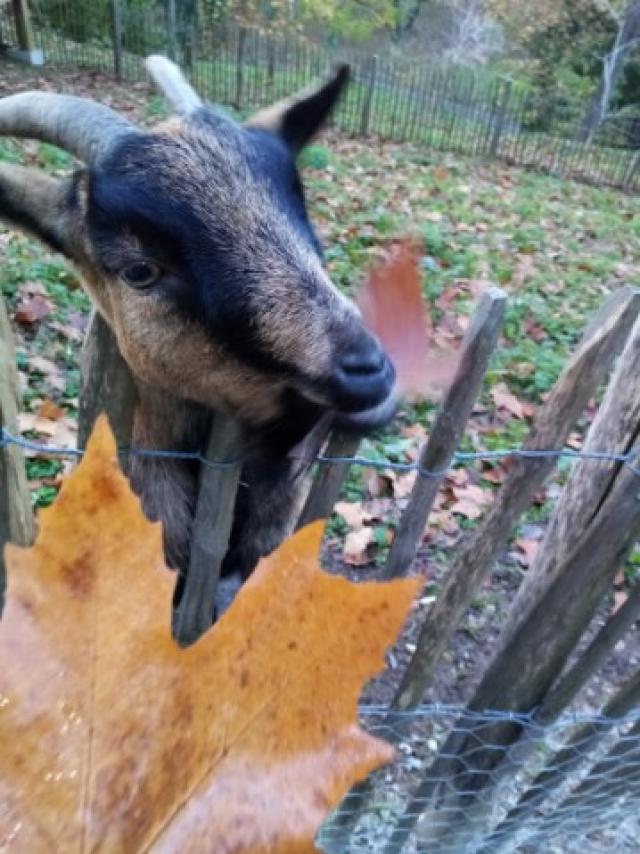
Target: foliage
column 350, row 19
column 561, row 47
column 114, row 737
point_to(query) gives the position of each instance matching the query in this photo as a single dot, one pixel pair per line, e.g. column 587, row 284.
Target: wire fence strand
column 459, row 458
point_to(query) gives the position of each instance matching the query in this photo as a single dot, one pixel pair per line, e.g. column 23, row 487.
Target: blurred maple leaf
column 393, row 308
column 114, row 739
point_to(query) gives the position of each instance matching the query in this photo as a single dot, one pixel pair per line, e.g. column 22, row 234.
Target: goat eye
column 140, row 275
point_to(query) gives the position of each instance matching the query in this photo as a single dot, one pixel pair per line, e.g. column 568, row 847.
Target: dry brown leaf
column 32, row 310
column 402, row 483
column 619, row 598
column 355, row 547
column 527, row 548
column 114, row 739
column 470, row 500
column 353, row 513
column 50, row 410
column 392, row 306
column 43, row 366
column 504, row 399
column 415, row 431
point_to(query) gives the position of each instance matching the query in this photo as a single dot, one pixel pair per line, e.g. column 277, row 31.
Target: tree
column 626, row 16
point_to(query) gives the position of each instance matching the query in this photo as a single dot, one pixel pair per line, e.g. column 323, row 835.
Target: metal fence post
column 631, row 173
column 116, row 37
column 498, row 129
column 368, row 99
column 171, row 29
column 242, row 38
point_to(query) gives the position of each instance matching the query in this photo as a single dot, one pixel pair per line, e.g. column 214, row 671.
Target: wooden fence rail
column 16, row 515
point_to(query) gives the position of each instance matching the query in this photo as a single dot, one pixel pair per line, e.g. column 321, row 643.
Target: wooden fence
column 594, row 526
column 443, row 107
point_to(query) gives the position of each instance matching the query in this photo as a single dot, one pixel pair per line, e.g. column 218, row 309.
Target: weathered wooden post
column 594, row 525
column 106, row 385
column 447, row 431
column 194, row 608
column 326, row 485
column 556, row 418
column 16, row 516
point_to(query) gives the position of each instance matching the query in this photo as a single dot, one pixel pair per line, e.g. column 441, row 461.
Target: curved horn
column 82, row 127
column 177, row 90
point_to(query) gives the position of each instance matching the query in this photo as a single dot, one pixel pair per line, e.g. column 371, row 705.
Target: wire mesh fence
column 573, row 785
column 445, row 107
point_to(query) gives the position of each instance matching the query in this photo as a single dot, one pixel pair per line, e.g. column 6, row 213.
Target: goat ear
column 44, row 207
column 299, row 118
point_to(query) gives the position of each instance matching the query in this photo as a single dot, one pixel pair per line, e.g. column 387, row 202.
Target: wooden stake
column 16, row 515
column 448, row 428
column 211, row 531
column 556, row 418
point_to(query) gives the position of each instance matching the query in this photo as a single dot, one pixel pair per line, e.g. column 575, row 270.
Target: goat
column 194, row 243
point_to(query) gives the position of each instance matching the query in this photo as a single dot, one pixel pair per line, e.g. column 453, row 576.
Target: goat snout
column 363, row 376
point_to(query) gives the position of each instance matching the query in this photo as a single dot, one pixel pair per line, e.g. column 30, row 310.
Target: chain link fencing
column 573, row 785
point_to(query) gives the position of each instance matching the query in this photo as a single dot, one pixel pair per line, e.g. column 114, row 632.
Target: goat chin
column 368, row 419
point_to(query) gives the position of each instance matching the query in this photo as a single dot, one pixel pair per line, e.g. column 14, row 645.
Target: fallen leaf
column 43, row 366
column 31, row 310
column 504, row 399
column 459, row 476
column 355, row 547
column 471, row 500
column 353, row 513
column 527, row 549
column 619, row 598
column 415, row 431
column 115, row 739
column 494, row 474
column 49, row 409
column 402, row 483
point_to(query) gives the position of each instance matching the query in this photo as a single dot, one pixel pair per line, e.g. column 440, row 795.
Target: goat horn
column 80, row 126
column 173, row 83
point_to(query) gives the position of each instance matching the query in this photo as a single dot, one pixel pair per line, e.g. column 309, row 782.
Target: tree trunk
column 612, row 65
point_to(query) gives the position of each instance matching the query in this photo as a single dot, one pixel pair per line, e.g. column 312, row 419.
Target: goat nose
column 363, row 376
column 370, row 360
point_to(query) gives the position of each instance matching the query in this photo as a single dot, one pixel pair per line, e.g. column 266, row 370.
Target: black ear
column 298, row 119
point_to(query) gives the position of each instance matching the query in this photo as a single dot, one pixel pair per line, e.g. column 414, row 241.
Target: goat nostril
column 362, row 377
column 360, row 363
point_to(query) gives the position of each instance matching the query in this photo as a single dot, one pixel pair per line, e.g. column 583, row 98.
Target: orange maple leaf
column 114, row 739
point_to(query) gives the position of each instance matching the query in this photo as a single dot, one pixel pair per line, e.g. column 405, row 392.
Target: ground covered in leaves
column 557, row 248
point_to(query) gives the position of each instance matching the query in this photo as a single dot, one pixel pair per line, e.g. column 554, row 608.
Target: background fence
column 444, row 107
